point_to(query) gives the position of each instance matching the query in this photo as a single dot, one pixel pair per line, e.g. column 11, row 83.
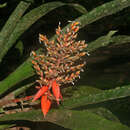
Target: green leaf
column 23, row 72
column 106, row 9
column 80, row 120
column 11, row 24
column 76, row 120
column 79, row 8
column 20, row 47
column 103, row 112
column 3, row 5
column 107, row 40
column 101, row 41
column 106, row 95
column 22, row 89
column 102, row 11
column 25, row 22
column 120, row 39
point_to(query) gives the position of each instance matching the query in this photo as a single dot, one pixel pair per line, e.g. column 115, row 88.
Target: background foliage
column 100, row 99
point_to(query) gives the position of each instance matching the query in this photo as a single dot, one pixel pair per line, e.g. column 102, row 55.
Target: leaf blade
column 106, row 95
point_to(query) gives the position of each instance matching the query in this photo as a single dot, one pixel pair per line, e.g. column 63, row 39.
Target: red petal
column 45, row 104
column 56, row 91
column 40, row 93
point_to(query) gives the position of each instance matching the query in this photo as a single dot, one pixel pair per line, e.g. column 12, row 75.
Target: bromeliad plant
column 61, row 64
column 54, row 68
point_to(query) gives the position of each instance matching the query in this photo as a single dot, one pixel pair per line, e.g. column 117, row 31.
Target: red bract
column 40, row 92
column 45, row 104
column 56, row 91
column 44, row 93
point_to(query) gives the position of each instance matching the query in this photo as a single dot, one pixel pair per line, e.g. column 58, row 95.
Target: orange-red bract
column 56, row 91
column 40, row 92
column 45, row 104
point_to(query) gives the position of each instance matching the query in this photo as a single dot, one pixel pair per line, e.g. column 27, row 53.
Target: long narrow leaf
column 101, row 41
column 11, row 23
column 3, row 5
column 101, row 11
column 120, row 39
column 108, row 39
column 26, row 21
column 23, row 72
column 106, row 95
column 61, row 119
column 79, row 8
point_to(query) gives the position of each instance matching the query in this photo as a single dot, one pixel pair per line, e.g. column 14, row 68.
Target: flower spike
column 61, row 64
